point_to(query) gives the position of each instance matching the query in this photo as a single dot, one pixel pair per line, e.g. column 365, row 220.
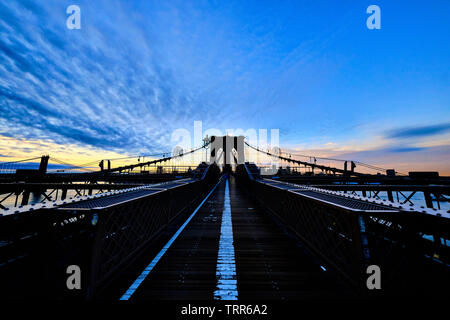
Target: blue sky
column 138, row 70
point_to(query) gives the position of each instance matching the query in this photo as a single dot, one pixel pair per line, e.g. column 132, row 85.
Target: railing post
column 44, row 164
column 25, row 197
column 428, row 200
column 390, row 196
column 360, row 248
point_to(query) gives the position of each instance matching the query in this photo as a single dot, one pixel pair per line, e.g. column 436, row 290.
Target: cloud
column 419, row 131
column 104, row 86
column 416, row 159
column 403, row 149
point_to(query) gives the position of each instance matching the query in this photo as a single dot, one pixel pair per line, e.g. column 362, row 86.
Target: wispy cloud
column 419, row 131
column 403, row 149
column 103, row 85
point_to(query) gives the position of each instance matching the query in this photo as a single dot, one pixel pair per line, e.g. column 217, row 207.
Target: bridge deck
column 111, row 200
column 268, row 263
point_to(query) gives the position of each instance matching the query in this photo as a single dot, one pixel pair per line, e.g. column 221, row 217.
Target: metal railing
column 350, row 233
column 99, row 233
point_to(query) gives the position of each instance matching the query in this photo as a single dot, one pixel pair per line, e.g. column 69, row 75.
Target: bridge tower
column 229, row 149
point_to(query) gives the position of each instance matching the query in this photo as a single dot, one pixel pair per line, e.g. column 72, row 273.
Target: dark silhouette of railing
column 350, row 233
column 103, row 231
column 100, row 234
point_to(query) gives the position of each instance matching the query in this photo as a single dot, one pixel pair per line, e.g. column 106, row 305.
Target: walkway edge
column 155, row 260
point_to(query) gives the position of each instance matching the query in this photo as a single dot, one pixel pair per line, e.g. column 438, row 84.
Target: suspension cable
column 321, row 158
column 18, row 161
column 312, row 165
column 131, row 167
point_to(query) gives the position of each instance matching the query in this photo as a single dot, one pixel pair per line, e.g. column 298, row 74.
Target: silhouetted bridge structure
column 223, row 232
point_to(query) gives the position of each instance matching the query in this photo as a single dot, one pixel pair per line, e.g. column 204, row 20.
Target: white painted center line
column 226, row 266
column 127, row 295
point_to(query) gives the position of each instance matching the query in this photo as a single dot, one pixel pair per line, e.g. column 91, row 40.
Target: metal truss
column 102, row 240
column 411, row 248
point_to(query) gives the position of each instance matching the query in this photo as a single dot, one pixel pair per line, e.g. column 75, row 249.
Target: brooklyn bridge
column 221, row 229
